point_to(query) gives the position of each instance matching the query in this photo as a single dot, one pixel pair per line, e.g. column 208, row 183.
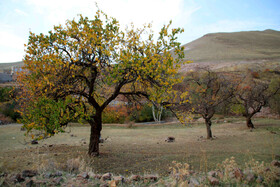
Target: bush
column 8, row 105
column 5, row 94
column 137, row 113
column 255, row 75
column 9, row 110
column 115, row 114
column 112, row 117
column 144, row 114
column 274, row 103
column 5, row 120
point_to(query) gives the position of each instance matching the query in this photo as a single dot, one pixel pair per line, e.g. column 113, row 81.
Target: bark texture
column 208, row 127
column 95, row 132
column 249, row 123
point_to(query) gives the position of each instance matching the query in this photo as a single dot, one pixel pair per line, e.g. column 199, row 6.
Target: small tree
column 157, row 112
column 76, row 71
column 253, row 94
column 206, row 91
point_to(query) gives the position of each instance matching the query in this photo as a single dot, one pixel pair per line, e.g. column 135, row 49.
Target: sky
column 197, row 17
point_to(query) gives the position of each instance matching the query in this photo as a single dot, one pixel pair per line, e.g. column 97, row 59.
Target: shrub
column 5, row 94
column 5, row 119
column 144, row 114
column 9, row 110
column 124, row 114
column 115, row 114
column 274, row 103
column 8, row 105
column 255, row 75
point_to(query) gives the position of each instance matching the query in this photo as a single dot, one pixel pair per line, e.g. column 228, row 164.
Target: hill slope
column 7, row 67
column 237, row 46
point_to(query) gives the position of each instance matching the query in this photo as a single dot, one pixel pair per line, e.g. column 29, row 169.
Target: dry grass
column 142, row 149
column 236, row 46
column 253, row 65
column 234, row 51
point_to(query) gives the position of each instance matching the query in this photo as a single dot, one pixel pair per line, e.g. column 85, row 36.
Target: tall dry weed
column 228, row 167
column 203, row 164
column 180, row 171
column 267, row 172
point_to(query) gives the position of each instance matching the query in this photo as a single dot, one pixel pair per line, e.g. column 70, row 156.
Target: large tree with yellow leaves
column 77, row 70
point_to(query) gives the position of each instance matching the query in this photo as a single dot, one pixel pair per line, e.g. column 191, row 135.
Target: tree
column 76, row 71
column 206, row 91
column 157, row 113
column 253, row 94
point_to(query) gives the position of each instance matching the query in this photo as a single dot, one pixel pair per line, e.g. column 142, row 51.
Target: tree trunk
column 249, row 123
column 208, row 127
column 157, row 113
column 96, row 127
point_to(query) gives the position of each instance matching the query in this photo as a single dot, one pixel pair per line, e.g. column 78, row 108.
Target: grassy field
column 142, row 149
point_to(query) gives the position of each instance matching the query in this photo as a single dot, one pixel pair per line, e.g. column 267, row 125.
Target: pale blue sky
column 197, row 17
